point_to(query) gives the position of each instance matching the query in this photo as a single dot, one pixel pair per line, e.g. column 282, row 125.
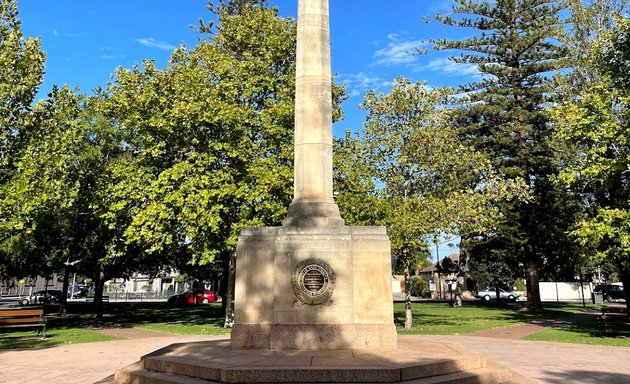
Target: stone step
column 476, row 376
column 414, row 361
column 346, row 371
column 134, row 374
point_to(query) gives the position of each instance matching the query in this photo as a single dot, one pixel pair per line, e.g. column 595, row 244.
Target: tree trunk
column 625, row 280
column 533, row 289
column 99, row 285
column 224, row 282
column 229, row 296
column 63, row 303
column 408, row 313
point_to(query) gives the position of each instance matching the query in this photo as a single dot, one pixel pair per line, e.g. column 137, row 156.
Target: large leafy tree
column 516, row 49
column 52, row 205
column 408, row 170
column 21, row 74
column 596, row 125
column 587, row 20
column 208, row 140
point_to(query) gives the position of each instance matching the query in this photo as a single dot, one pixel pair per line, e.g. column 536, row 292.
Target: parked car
column 610, row 292
column 193, row 296
column 42, row 297
column 79, row 291
column 491, row 293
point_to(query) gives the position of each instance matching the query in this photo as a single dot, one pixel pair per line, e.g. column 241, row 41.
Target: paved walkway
column 90, row 363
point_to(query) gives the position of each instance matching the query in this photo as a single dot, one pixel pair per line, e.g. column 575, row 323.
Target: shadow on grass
column 77, row 324
column 441, row 318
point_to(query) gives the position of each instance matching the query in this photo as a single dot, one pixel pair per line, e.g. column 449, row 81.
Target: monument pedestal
column 313, row 288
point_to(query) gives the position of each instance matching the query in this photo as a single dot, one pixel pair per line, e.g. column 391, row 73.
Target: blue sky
column 372, row 41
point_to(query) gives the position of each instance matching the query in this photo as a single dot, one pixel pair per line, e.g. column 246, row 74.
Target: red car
column 193, row 296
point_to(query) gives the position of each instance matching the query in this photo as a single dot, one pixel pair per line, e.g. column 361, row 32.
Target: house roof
column 430, row 269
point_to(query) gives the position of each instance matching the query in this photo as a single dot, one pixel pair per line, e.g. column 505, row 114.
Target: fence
column 561, row 291
column 122, row 296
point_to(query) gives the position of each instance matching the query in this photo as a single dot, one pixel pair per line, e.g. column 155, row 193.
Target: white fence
column 560, row 291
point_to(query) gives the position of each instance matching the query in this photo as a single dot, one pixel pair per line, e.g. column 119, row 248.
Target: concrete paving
column 544, row 362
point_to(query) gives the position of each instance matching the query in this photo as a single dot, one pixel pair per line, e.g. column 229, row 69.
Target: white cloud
column 359, row 83
column 398, row 52
column 56, row 33
column 112, row 57
column 450, row 68
column 153, row 43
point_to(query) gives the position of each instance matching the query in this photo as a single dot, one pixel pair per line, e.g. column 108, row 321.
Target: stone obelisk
column 313, row 202
column 313, row 283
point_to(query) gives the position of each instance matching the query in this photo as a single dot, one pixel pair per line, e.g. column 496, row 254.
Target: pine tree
column 516, row 51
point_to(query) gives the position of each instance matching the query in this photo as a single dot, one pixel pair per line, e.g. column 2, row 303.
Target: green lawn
column 574, row 324
column 586, row 332
column 54, row 338
column 75, row 327
column 185, row 329
column 441, row 319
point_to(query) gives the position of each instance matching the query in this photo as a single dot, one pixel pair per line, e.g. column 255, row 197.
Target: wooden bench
column 24, row 318
column 609, row 313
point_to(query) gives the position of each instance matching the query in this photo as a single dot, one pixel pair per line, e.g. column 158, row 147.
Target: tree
column 209, row 147
column 417, row 178
column 587, row 20
column 503, row 116
column 52, row 214
column 21, row 73
column 596, row 124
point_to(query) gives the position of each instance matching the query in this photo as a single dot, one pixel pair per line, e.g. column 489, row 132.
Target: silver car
column 490, row 293
column 42, row 297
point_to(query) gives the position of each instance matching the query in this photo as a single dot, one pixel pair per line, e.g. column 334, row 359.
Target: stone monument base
column 313, row 337
column 416, row 360
column 313, row 288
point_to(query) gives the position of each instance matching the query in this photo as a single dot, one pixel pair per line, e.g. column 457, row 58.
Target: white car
column 490, row 293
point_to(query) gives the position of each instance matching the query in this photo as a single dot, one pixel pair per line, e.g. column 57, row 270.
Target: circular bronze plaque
column 313, row 282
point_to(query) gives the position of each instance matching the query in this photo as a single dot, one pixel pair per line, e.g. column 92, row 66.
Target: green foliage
column 208, row 140
column 21, row 73
column 503, row 116
column 408, row 170
column 586, row 22
column 519, row 285
column 419, row 287
column 596, row 125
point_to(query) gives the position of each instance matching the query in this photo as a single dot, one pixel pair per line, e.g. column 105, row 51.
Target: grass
column 54, row 338
column 184, row 329
column 572, row 323
column 586, row 332
column 76, row 327
column 441, row 319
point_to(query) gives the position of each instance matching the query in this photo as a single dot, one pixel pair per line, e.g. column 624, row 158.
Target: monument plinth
column 313, row 283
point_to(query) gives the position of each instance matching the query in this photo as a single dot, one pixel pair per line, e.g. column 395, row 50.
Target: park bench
column 609, row 313
column 24, row 318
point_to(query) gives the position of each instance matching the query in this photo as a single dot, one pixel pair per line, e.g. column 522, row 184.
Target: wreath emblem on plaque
column 313, row 282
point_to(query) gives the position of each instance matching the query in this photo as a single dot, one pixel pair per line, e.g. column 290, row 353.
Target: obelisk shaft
column 313, row 203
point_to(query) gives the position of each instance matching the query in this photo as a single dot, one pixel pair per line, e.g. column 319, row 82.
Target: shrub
column 419, row 287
